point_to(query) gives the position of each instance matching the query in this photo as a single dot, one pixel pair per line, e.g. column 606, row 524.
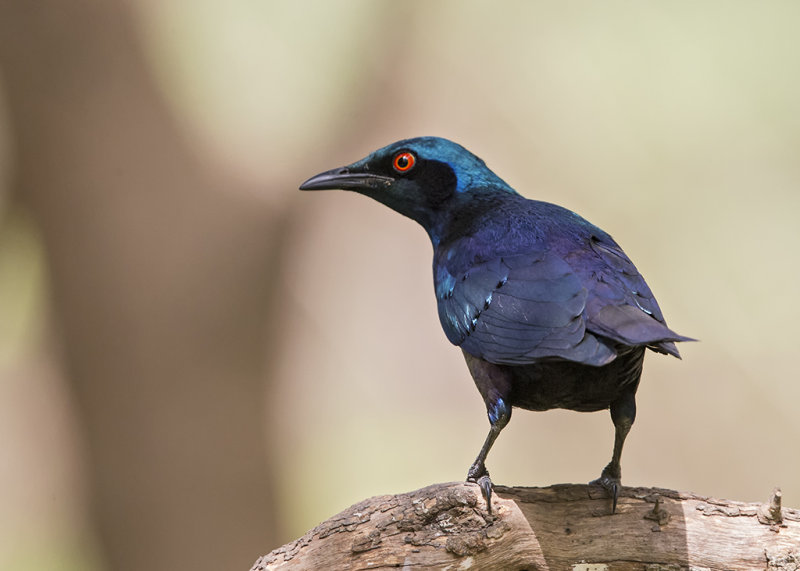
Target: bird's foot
column 478, row 474
column 610, row 480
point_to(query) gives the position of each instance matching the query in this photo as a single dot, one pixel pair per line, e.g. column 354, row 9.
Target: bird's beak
column 347, row 179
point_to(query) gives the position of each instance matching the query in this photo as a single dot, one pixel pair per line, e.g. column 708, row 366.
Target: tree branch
column 446, row 526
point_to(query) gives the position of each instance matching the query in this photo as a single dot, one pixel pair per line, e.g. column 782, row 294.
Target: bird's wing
column 518, row 309
column 580, row 305
column 620, row 305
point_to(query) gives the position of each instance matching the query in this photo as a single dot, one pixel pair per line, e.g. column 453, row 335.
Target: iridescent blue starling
column 547, row 309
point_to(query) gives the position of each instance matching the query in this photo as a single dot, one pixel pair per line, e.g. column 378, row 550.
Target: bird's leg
column 623, row 413
column 499, row 415
column 494, row 384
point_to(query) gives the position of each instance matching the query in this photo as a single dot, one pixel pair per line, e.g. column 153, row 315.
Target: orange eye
column 404, row 162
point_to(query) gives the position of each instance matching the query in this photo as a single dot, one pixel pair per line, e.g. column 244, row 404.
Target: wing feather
column 517, row 309
column 581, row 304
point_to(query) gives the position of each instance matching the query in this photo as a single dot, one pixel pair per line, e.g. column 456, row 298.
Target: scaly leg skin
column 499, row 415
column 623, row 413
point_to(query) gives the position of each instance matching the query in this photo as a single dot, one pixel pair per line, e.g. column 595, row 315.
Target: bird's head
column 418, row 178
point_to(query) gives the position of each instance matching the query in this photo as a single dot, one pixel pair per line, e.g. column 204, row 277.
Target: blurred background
column 198, row 362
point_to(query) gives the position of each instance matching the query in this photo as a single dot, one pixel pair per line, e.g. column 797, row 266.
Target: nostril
column 343, row 170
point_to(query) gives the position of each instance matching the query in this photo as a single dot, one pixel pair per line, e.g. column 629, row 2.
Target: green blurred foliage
column 21, row 284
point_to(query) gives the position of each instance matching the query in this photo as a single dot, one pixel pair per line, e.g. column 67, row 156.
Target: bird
column 547, row 309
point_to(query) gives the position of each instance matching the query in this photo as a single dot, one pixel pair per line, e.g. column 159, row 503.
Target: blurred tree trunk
column 159, row 279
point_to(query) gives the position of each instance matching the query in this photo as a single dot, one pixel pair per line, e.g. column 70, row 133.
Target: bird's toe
column 486, row 489
column 478, row 474
column 612, row 484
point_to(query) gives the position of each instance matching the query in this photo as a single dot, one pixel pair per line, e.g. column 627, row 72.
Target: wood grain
column 446, row 526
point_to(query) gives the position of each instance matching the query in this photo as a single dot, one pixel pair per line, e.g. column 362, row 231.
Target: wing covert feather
column 517, row 309
column 581, row 302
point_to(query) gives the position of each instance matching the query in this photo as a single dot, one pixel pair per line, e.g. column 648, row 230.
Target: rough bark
column 446, row 526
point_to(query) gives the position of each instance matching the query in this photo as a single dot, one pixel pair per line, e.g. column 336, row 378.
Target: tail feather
column 667, row 348
column 631, row 326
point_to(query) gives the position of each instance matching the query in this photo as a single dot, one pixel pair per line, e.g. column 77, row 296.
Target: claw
column 478, row 474
column 614, row 494
column 612, row 485
column 486, row 489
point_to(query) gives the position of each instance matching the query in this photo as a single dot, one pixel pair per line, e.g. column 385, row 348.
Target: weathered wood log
column 446, row 526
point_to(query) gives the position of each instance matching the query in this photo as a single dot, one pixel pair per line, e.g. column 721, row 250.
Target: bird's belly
column 574, row 386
